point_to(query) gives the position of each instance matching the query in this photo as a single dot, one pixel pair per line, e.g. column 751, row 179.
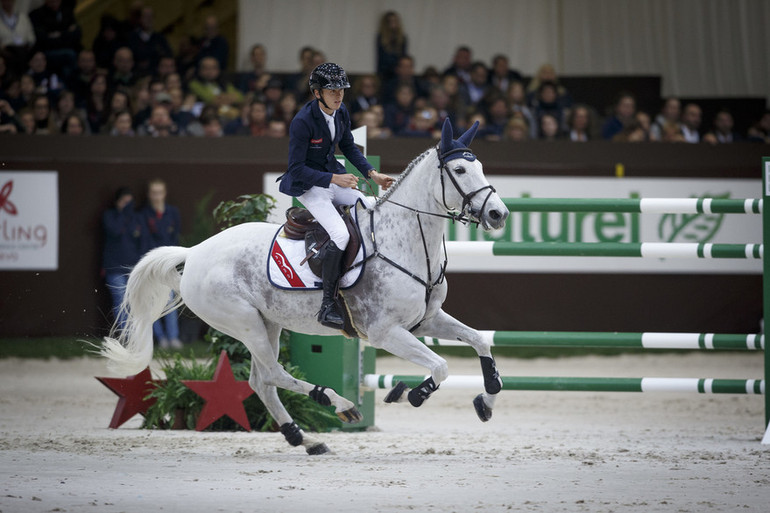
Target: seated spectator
column 41, row 110
column 166, row 67
column 461, row 64
column 187, row 58
column 644, row 120
column 722, row 131
column 182, row 106
column 690, row 122
column 439, row 100
column 253, row 121
column 173, row 81
column 212, row 127
column 422, row 124
column 501, row 76
column 211, row 89
column 160, row 124
column 65, row 106
column 17, row 35
column 373, row 123
column 154, row 88
column 633, row 131
column 399, row 112
column 478, row 87
column 549, row 128
column 8, row 122
column 517, row 129
column 81, row 78
column 25, row 120
column 624, row 111
column 73, row 124
column 271, row 95
column 212, row 44
column 669, row 113
column 256, row 80
column 123, row 69
column 517, row 100
column 20, row 91
column 672, row 132
column 497, row 114
column 404, row 75
column 57, row 34
column 122, row 124
column 760, row 131
column 579, row 124
column 46, row 82
column 457, row 102
column 97, row 106
column 298, row 82
column 547, row 102
column 277, row 129
column 547, row 73
column 147, row 45
column 287, row 108
column 431, row 77
column 364, row 93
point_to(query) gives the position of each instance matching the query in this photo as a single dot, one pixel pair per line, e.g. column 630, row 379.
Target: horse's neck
column 417, row 191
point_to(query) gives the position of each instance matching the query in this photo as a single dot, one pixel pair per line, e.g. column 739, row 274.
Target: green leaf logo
column 691, row 227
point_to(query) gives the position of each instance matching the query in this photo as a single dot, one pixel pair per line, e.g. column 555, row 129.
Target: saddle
column 301, row 225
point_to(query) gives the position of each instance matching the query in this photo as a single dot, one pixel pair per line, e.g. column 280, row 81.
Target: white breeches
column 322, row 203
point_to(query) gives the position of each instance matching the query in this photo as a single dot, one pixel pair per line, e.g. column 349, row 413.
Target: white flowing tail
column 129, row 347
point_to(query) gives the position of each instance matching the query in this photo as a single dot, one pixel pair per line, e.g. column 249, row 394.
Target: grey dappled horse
column 397, row 299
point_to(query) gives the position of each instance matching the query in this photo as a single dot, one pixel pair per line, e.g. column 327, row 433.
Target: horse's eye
column 460, row 170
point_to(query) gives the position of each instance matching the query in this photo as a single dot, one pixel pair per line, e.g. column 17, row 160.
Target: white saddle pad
column 285, row 272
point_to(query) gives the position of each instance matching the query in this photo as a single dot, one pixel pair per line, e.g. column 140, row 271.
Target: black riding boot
column 331, row 270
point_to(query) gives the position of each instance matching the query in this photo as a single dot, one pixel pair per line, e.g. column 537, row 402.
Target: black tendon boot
column 331, row 270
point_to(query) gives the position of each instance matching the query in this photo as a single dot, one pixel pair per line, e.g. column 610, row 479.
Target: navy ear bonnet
column 451, row 149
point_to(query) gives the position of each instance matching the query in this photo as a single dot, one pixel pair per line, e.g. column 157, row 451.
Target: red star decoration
column 223, row 395
column 132, row 392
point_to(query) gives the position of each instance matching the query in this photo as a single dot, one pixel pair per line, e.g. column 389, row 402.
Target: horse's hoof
column 350, row 416
column 482, row 410
column 396, row 392
column 319, row 448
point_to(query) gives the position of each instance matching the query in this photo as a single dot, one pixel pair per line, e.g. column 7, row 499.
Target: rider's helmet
column 328, row 76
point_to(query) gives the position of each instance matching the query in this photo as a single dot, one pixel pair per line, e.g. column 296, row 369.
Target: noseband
column 465, row 214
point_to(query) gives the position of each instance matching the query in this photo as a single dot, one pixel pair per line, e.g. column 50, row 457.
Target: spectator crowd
column 132, row 83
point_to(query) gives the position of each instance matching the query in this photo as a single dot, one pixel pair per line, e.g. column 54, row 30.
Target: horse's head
column 464, row 188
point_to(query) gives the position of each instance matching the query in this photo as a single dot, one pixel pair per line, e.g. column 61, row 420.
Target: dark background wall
column 73, row 299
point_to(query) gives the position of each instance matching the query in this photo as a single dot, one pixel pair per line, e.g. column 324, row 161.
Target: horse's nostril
column 494, row 214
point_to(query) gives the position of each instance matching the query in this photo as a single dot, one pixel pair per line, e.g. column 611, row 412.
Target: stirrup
column 324, row 313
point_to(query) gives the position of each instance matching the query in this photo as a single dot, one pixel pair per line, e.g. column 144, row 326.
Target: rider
column 319, row 180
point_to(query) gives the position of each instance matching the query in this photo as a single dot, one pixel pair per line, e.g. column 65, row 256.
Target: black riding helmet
column 328, row 76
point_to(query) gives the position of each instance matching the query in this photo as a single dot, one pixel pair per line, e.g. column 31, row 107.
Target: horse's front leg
column 443, row 325
column 399, row 342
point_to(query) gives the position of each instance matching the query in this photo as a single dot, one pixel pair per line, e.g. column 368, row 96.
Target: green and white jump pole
column 637, row 205
column 568, row 384
column 766, row 284
column 615, row 340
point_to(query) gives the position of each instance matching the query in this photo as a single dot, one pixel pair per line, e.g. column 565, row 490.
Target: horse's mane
column 382, row 199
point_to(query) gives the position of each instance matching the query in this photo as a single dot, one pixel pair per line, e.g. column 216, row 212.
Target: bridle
column 467, row 197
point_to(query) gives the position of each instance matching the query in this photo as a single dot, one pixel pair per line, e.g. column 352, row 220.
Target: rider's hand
column 345, row 180
column 383, row 181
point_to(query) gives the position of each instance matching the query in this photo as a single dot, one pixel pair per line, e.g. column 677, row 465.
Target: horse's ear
column 446, row 136
column 468, row 136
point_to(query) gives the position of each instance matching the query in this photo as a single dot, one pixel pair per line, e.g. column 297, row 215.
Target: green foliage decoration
column 178, row 406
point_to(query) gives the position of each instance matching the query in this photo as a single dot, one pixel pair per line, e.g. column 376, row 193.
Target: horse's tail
column 128, row 347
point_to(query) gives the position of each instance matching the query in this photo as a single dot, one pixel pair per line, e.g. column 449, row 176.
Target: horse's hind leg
column 443, row 325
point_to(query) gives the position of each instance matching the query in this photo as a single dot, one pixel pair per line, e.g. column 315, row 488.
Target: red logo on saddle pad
column 283, row 264
column 316, row 141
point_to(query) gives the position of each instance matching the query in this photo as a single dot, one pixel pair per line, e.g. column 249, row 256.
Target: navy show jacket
column 311, row 150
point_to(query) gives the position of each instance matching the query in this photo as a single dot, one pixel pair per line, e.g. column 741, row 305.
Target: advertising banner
column 29, row 220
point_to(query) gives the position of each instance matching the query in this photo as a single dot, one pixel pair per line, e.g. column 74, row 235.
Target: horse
column 397, row 298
